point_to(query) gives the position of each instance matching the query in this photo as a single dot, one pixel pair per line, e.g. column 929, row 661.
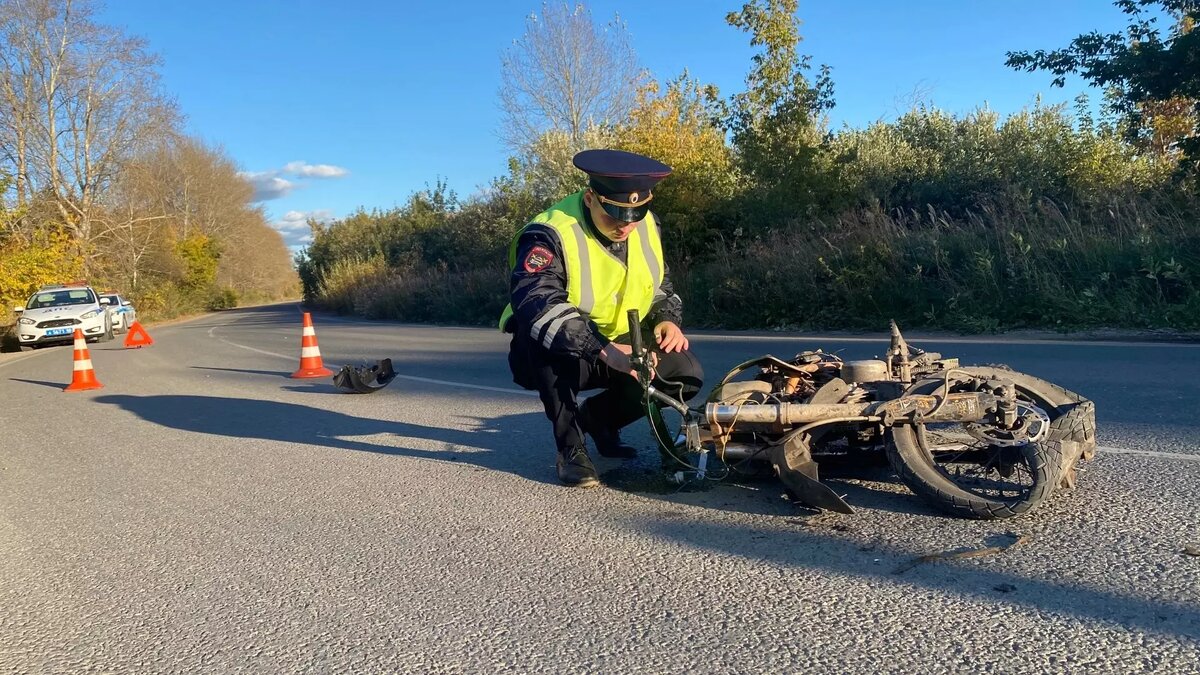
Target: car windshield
column 63, row 298
column 112, row 300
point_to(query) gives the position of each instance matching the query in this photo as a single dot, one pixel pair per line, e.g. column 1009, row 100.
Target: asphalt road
column 205, row 512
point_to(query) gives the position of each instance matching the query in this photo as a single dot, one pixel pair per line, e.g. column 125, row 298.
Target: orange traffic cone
column 311, row 364
column 83, row 378
column 137, row 337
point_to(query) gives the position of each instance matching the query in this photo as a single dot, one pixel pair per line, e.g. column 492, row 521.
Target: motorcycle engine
column 864, row 371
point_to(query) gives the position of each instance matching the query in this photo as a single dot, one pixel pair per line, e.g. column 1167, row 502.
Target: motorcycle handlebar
column 635, row 333
column 637, row 356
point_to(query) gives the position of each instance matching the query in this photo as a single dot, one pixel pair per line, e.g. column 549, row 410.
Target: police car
column 121, row 311
column 54, row 312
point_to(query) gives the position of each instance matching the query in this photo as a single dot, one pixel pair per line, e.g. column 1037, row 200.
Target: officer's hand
column 627, row 350
column 670, row 338
column 616, row 356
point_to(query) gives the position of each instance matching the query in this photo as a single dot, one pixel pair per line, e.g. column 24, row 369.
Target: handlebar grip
column 635, row 333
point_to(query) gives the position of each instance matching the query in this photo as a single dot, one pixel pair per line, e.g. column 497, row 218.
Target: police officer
column 577, row 269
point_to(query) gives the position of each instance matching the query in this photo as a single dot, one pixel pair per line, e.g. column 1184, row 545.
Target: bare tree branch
column 84, row 98
column 564, row 74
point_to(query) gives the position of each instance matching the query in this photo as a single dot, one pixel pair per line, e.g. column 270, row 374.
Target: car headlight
column 88, row 315
column 27, row 322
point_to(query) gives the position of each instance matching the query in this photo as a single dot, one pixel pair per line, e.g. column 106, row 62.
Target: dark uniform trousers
column 559, row 379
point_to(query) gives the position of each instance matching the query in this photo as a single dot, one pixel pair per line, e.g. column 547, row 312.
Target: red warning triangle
column 137, row 337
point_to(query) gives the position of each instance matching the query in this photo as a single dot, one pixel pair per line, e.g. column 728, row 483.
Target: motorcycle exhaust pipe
column 739, row 451
column 956, row 407
column 781, row 414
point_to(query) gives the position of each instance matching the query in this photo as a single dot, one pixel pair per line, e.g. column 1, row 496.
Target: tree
column 564, row 75
column 18, row 99
column 27, row 262
column 672, row 124
column 135, row 227
column 183, row 195
column 1156, row 77
column 80, row 99
column 199, row 254
column 776, row 124
column 545, row 169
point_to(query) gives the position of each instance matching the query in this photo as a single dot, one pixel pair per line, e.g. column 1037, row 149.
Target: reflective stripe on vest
column 598, row 283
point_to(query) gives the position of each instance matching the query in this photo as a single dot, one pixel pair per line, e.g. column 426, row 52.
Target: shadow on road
column 494, row 445
column 876, row 563
column 490, row 446
column 519, row 444
column 55, row 385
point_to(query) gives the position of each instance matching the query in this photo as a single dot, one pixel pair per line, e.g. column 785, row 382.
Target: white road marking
column 1187, row 457
column 413, row 378
column 883, row 339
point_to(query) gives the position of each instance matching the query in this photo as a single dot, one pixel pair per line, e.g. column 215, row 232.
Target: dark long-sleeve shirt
column 539, row 295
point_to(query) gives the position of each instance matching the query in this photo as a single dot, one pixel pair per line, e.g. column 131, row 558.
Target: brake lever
column 639, row 357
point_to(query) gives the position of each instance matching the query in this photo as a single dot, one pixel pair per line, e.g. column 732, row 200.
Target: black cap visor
column 629, row 207
column 627, row 214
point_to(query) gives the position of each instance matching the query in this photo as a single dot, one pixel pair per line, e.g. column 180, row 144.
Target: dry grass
column 1129, row 264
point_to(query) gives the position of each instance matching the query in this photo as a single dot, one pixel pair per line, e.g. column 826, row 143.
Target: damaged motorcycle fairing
column 365, row 379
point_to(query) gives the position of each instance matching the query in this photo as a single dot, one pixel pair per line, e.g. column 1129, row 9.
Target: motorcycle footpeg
column 365, row 379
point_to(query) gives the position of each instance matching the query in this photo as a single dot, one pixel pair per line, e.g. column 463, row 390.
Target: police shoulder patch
column 538, row 259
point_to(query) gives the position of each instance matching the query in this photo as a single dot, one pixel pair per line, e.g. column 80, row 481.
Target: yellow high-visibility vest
column 602, row 288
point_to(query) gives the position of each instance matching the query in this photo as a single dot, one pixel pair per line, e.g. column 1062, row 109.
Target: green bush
column 437, row 295
column 972, row 223
column 225, row 298
column 8, row 339
column 164, row 300
column 343, row 280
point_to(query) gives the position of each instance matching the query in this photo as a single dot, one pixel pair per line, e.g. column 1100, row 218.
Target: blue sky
column 360, row 103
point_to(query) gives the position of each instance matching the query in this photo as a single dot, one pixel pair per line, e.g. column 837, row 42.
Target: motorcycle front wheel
column 974, row 470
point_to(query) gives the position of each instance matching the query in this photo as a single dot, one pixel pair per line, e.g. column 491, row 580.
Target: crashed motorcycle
column 975, row 441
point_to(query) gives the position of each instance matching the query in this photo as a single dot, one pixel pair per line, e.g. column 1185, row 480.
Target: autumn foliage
column 1050, row 217
column 97, row 181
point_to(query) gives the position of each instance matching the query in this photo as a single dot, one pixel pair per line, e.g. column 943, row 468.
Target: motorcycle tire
column 1045, row 463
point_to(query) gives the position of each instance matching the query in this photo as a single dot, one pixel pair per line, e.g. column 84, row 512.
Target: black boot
column 575, row 468
column 607, row 439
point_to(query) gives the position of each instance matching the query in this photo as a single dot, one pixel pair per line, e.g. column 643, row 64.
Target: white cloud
column 294, row 227
column 270, row 184
column 301, row 168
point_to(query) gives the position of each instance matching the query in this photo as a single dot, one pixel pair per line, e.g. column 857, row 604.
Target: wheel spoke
column 974, row 465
